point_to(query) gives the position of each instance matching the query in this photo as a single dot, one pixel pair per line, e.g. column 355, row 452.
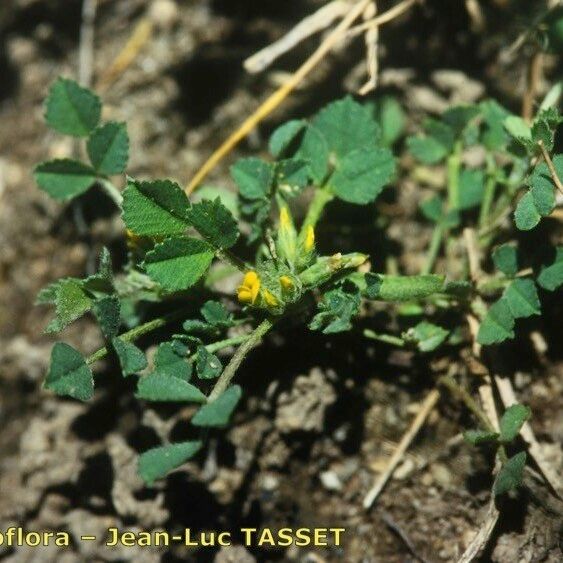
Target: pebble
column 164, row 13
column 330, row 481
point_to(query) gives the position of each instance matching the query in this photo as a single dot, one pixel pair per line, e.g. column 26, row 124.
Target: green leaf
column 64, row 179
column 427, row 336
column 551, row 277
column 253, row 176
column 102, row 281
column 314, row 150
column 214, row 222
column 497, row 325
column 71, row 109
column 168, row 362
column 494, row 136
column 71, row 302
column 68, row 373
column 522, row 299
column 541, row 131
column 347, row 126
column 477, row 437
column 510, row 475
column 108, row 148
column 505, row 258
column 292, row 175
column 459, row 117
column 158, row 462
column 402, row 288
column 208, row 365
column 131, row 359
column 471, row 188
column 391, row 119
column 526, row 215
column 518, row 128
column 283, row 136
column 216, row 314
column 336, row 310
column 441, row 132
column 228, row 198
column 178, row 263
column 155, row 208
column 542, row 186
column 433, row 208
column 512, row 420
column 156, row 387
column 362, row 175
column 427, row 150
column 107, row 311
column 218, row 412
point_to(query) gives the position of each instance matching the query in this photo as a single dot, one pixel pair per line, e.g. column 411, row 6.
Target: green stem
column 489, row 193
column 233, row 341
column 321, row 198
column 139, row 331
column 229, row 372
column 453, row 168
column 387, row 338
column 434, row 248
column 111, row 191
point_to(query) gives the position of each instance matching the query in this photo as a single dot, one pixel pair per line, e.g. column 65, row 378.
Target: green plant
column 179, row 248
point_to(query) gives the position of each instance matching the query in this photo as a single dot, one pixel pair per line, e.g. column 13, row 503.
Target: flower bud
column 326, row 266
column 286, row 244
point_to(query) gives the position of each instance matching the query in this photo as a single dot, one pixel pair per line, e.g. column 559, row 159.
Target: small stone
column 427, row 479
column 164, row 13
column 234, row 554
column 441, row 474
column 330, row 481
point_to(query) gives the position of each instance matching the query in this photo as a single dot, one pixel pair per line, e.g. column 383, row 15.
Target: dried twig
column 395, row 528
column 425, row 408
column 371, row 39
column 140, row 36
column 385, row 17
column 472, row 246
column 86, row 49
column 482, row 537
column 275, row 99
column 476, row 14
column 552, row 171
column 307, row 27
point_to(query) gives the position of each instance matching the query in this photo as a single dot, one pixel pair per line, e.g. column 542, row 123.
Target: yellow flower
column 248, row 290
column 285, row 219
column 287, row 283
column 269, row 298
column 309, row 239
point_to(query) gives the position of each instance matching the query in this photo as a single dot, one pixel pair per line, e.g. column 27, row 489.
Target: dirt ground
column 318, row 423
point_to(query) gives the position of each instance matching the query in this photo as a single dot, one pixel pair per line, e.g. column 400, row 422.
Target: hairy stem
column 229, row 372
column 551, row 167
column 434, row 248
column 233, row 341
column 321, row 198
column 139, row 331
column 453, row 168
column 387, row 338
column 489, row 194
column 111, row 191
